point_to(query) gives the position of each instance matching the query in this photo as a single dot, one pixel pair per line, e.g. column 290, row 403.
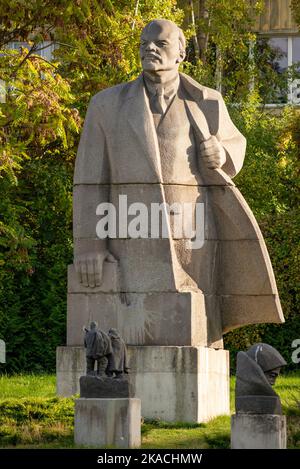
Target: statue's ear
column 181, row 56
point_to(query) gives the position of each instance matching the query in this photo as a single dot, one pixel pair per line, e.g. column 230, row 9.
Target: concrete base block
column 188, row 384
column 70, row 365
column 258, row 431
column 108, row 422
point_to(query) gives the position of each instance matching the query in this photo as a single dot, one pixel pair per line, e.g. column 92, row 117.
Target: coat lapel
column 140, row 119
column 198, row 109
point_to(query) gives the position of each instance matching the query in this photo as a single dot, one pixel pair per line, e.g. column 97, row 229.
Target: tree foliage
column 295, row 6
column 96, row 45
column 39, row 127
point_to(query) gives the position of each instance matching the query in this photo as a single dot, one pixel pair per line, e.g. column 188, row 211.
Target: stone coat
column 119, row 154
column 119, row 360
column 97, row 344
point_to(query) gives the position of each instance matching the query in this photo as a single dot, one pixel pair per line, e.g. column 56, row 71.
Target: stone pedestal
column 149, row 314
column 108, row 422
column 174, row 383
column 258, row 431
column 70, row 365
column 152, row 318
column 105, row 387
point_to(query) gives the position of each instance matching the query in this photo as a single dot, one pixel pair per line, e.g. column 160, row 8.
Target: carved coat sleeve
column 232, row 140
column 91, row 180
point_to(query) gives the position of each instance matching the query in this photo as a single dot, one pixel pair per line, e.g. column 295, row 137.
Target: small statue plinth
column 258, row 422
column 106, row 413
column 105, row 387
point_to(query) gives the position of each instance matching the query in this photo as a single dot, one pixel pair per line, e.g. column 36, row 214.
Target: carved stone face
column 160, row 47
column 272, row 375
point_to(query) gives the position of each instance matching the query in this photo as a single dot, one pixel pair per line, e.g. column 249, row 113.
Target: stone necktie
column 159, row 100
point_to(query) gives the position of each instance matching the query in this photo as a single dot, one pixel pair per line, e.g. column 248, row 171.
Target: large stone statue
column 165, row 139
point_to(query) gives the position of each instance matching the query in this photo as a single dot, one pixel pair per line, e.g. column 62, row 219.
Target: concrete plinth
column 108, row 422
column 70, row 365
column 258, row 431
column 174, row 383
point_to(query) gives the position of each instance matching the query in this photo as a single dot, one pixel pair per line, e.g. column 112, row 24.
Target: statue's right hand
column 89, row 267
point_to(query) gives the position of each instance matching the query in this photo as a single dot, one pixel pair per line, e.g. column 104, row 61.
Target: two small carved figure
column 107, row 350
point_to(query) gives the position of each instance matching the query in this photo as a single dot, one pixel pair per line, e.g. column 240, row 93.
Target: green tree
column 38, row 130
column 96, row 46
column 295, row 6
column 222, row 33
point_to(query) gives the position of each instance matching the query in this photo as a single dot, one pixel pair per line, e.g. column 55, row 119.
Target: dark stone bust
column 257, row 370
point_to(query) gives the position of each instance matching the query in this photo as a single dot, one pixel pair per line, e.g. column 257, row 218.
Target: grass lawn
column 31, row 416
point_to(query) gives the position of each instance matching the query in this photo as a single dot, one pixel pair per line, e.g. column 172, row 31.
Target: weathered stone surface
column 257, row 404
column 266, row 356
column 150, row 319
column 128, row 198
column 110, row 283
column 70, row 365
column 256, row 373
column 145, row 264
column 108, row 422
column 85, row 218
column 239, row 258
column 258, row 431
column 181, row 383
column 237, row 310
column 174, row 383
column 235, row 221
column 88, row 245
column 108, row 388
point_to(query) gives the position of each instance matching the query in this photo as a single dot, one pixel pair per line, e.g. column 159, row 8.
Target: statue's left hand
column 212, row 153
column 89, row 267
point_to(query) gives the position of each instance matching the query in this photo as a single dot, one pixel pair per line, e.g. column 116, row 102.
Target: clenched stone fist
column 213, row 153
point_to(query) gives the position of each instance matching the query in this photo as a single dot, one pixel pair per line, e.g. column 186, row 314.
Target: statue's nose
column 150, row 46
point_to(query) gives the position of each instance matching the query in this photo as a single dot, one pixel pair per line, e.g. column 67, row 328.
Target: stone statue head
column 113, row 333
column 269, row 359
column 162, row 46
column 257, row 370
column 93, row 325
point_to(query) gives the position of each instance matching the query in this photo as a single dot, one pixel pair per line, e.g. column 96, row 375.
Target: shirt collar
column 169, row 89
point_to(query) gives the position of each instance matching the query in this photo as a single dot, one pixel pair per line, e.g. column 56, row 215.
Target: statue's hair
column 182, row 41
column 181, row 37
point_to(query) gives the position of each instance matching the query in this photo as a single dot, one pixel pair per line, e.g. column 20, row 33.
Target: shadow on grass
column 160, row 434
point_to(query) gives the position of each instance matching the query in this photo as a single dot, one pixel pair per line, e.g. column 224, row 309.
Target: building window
column 279, row 55
column 44, row 49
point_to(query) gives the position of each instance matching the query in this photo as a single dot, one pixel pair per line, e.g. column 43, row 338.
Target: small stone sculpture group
column 107, row 350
